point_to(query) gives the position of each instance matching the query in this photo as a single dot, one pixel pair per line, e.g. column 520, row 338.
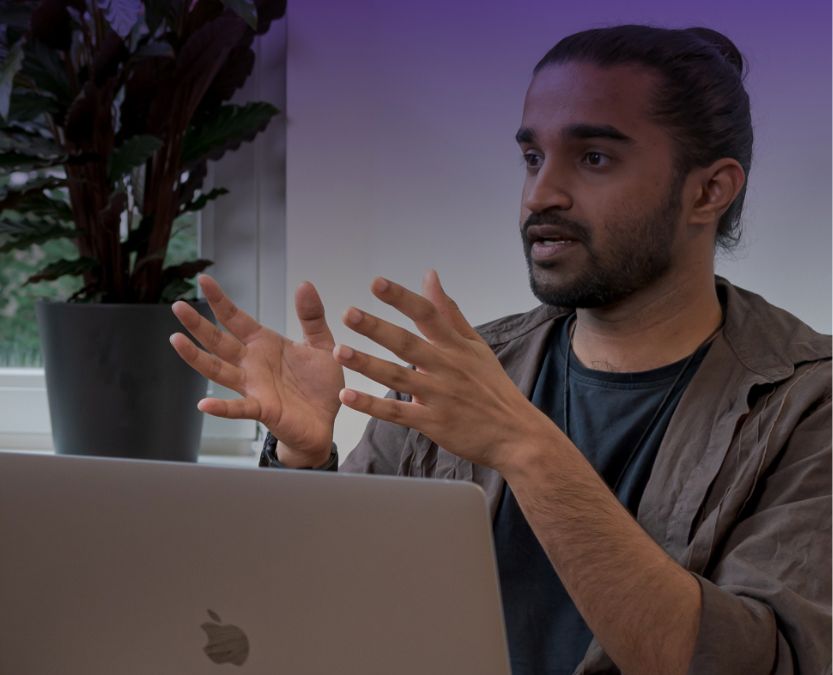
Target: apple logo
column 226, row 643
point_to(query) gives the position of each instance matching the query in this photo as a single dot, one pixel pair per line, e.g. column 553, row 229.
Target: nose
column 546, row 189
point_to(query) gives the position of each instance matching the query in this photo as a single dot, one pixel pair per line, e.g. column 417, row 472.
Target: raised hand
column 291, row 387
column 461, row 397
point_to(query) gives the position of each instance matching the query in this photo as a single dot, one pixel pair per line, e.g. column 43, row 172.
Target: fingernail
column 354, row 316
column 348, row 395
column 345, row 352
column 382, row 284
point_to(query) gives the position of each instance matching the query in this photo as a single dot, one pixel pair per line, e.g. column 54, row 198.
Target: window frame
column 254, row 212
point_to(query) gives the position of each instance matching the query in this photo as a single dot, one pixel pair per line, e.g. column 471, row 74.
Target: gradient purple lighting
column 401, row 119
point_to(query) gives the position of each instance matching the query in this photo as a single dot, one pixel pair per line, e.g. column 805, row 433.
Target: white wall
column 400, row 123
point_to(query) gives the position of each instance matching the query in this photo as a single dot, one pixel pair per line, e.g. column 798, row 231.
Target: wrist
column 269, row 457
column 302, row 459
column 538, row 439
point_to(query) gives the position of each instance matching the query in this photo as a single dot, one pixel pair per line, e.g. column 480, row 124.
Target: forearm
column 639, row 603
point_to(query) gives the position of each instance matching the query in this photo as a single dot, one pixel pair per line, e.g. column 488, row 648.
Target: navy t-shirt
column 608, row 414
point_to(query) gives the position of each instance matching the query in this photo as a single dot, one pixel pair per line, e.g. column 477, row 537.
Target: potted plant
column 111, row 110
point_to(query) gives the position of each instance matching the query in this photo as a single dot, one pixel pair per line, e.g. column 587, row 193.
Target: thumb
column 433, row 290
column 310, row 312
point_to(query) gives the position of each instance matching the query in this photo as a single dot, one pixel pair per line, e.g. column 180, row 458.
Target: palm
column 291, row 387
column 294, row 387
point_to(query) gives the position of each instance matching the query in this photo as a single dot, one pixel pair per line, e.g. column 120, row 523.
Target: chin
column 582, row 293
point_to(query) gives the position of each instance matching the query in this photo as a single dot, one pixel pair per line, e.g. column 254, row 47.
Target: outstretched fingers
column 406, row 345
column 208, row 365
column 214, row 339
column 433, row 290
column 392, row 375
column 425, row 315
column 235, row 409
column 406, row 414
column 235, row 320
column 310, row 312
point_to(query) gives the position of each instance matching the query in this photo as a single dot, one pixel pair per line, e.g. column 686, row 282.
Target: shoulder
column 767, row 339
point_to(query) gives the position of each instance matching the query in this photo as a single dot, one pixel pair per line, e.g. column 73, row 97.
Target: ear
column 715, row 188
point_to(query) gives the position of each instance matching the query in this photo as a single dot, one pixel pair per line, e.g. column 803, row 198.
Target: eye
column 532, row 160
column 596, row 159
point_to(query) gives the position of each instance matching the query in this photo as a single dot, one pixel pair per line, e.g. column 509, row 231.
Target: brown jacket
column 739, row 493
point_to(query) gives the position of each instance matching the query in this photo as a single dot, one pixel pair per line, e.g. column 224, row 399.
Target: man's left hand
column 461, row 397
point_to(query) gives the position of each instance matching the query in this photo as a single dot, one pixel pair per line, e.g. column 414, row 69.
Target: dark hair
column 701, row 98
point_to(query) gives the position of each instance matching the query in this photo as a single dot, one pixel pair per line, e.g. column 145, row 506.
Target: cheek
column 625, row 202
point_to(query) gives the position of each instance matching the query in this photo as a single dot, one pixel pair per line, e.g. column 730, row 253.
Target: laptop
column 136, row 567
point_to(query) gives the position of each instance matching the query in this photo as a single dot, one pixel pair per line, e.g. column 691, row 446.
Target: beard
column 637, row 253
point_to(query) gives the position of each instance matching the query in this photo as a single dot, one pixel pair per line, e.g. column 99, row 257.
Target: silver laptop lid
column 115, row 566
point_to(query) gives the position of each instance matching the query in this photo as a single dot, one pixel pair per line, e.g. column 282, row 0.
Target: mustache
column 554, row 218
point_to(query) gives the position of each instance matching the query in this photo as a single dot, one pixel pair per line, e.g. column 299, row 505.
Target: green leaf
column 61, row 268
column 20, row 224
column 29, row 200
column 46, row 208
column 15, row 161
column 10, row 68
column 176, row 290
column 39, row 206
column 199, row 203
column 25, row 106
column 185, row 270
column 225, row 130
column 22, row 142
column 245, row 9
column 88, row 294
column 26, row 241
column 134, row 152
column 174, row 284
column 37, row 184
column 45, row 68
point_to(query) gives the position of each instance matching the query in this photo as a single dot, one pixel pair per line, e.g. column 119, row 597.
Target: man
column 654, row 442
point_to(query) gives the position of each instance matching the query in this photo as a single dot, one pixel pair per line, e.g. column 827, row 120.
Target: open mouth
column 543, row 249
column 548, row 241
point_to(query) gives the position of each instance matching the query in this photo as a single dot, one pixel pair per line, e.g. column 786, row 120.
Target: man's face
column 601, row 204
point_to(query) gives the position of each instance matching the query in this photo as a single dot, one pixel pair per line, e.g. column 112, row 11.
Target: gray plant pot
column 116, row 387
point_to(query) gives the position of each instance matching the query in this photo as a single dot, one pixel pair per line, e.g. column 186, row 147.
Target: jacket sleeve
column 381, row 447
column 766, row 602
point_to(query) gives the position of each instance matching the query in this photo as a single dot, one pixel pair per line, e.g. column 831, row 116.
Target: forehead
column 581, row 93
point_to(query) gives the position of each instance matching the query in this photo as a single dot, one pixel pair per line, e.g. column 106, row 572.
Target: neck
column 649, row 329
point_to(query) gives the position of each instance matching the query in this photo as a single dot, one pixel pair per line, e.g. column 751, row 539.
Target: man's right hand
column 291, row 387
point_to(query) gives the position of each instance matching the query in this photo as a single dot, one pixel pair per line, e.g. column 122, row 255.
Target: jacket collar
column 767, row 340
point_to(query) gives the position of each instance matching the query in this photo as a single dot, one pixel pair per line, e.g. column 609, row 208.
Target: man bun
column 722, row 44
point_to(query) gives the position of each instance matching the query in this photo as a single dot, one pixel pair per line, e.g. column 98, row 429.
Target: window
column 242, row 232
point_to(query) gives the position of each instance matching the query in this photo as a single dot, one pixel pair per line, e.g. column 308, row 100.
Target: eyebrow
column 578, row 131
